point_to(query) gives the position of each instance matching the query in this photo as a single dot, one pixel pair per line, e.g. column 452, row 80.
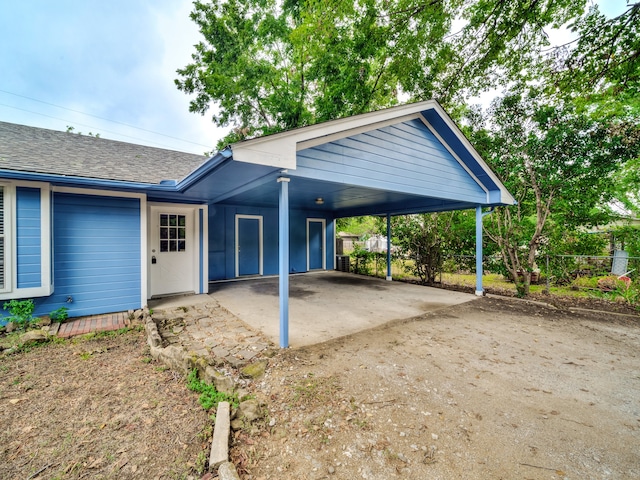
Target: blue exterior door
column 315, row 244
column 249, row 245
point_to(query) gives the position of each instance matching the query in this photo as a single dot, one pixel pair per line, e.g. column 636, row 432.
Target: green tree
column 559, row 165
column 428, row 239
column 268, row 65
column 601, row 65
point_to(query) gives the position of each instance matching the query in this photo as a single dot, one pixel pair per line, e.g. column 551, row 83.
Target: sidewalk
column 93, row 323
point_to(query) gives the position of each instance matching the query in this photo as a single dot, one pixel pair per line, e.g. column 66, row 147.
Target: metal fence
column 557, row 269
column 552, row 269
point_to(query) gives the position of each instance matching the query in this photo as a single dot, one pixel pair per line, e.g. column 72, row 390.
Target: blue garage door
column 96, row 253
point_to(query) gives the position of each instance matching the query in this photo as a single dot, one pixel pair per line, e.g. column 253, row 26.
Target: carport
column 328, row 305
column 403, row 160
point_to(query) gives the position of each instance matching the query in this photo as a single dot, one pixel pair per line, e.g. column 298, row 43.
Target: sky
column 113, row 59
column 109, row 67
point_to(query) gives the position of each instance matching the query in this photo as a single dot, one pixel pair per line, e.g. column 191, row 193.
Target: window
column 173, row 230
column 25, row 240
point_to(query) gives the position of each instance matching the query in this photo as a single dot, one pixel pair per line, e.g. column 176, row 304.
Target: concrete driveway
column 328, row 305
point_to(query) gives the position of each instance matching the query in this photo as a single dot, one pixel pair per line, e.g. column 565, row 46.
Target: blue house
column 102, row 226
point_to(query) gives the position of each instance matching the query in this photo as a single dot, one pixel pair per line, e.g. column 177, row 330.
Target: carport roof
column 405, row 159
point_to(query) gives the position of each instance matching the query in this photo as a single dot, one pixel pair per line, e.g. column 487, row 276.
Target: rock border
column 183, row 361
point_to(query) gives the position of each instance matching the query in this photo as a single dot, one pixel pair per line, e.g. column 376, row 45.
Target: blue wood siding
column 96, row 255
column 405, row 157
column 222, row 239
column 457, row 146
column 28, row 237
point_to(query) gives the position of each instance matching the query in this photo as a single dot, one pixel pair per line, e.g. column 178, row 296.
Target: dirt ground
column 492, row 388
column 97, row 409
column 488, row 389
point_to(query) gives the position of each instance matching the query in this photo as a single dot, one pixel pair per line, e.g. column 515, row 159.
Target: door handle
column 153, row 260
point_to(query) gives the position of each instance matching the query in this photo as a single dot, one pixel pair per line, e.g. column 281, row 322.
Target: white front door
column 172, row 250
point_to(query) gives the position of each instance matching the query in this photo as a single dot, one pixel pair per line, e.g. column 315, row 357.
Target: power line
column 100, row 118
column 89, row 126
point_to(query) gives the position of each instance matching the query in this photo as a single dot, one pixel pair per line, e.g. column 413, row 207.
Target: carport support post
column 283, row 256
column 388, row 247
column 479, row 217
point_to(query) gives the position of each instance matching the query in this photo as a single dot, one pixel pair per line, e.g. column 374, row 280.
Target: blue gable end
column 406, row 157
column 457, row 145
column 28, row 237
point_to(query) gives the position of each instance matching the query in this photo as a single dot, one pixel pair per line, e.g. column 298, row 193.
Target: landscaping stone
column 222, row 383
column 220, row 352
column 227, row 471
column 34, row 336
column 10, row 327
column 246, row 355
column 54, row 328
column 254, row 370
column 173, row 356
column 249, row 410
column 221, row 432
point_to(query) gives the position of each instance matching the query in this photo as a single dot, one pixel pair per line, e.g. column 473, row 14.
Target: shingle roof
column 31, row 149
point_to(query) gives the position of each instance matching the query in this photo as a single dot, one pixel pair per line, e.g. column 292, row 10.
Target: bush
column 59, row 315
column 21, row 311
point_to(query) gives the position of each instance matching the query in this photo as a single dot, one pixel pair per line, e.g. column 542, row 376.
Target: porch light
column 319, row 201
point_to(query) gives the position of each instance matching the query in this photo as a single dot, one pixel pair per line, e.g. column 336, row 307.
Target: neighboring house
column 101, row 226
column 345, row 242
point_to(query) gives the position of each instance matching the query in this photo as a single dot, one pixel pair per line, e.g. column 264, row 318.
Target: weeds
column 201, row 463
column 209, row 396
column 315, row 389
column 21, row 312
column 59, row 315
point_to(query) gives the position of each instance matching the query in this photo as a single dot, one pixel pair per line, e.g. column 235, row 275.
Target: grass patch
column 209, row 396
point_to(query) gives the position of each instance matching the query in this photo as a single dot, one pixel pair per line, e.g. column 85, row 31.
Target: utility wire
column 89, row 126
column 98, row 117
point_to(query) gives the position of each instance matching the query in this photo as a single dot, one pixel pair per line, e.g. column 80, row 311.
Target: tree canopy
column 558, row 162
column 269, row 65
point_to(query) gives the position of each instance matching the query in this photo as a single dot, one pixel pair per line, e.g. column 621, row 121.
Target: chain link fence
column 553, row 270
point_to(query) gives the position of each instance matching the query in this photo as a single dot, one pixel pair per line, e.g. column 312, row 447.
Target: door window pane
column 172, row 228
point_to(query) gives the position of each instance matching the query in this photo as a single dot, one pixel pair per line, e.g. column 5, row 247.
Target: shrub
column 21, row 311
column 60, row 314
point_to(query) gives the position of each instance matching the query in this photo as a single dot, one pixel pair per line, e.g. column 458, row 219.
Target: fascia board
column 505, row 196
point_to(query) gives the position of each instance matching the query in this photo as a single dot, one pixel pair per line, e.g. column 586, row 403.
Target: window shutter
column 2, row 241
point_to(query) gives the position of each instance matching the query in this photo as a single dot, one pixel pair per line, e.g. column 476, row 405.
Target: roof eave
column 84, row 182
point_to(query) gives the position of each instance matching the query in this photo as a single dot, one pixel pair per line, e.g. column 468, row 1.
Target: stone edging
column 179, row 359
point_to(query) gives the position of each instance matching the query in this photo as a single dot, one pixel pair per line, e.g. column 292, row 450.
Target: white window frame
column 11, row 290
column 8, row 193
